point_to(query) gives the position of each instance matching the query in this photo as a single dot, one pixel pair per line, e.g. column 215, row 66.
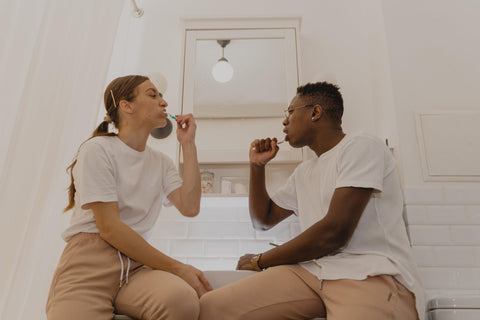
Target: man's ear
column 317, row 112
column 126, row 106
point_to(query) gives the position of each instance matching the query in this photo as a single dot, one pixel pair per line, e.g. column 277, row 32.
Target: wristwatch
column 254, row 261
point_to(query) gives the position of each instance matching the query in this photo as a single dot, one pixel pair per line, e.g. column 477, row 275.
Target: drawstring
column 123, row 268
column 128, row 269
column 121, row 272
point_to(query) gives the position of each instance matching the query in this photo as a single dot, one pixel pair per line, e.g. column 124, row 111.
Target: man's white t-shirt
column 108, row 170
column 379, row 244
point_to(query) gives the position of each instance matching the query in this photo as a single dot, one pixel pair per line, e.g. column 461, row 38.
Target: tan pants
column 291, row 292
column 86, row 285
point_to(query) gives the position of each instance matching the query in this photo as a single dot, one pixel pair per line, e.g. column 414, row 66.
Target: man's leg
column 274, row 294
column 375, row 298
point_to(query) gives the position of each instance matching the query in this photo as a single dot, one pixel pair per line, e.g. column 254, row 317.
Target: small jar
column 206, row 178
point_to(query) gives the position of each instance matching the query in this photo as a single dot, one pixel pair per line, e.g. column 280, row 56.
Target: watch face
column 254, row 262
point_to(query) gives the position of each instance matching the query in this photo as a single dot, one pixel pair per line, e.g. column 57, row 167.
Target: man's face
column 297, row 121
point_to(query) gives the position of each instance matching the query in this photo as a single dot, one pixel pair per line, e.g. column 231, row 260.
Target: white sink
column 220, row 278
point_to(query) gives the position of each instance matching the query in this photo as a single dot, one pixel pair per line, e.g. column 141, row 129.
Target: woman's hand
column 194, row 278
column 245, row 262
column 186, row 128
column 262, row 151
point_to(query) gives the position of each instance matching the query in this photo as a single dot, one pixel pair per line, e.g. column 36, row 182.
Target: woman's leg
column 277, row 293
column 86, row 280
column 157, row 295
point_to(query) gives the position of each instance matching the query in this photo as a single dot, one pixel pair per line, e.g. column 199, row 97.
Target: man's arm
column 263, row 211
column 325, row 237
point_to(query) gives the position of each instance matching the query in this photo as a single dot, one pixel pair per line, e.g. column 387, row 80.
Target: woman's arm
column 187, row 198
column 129, row 242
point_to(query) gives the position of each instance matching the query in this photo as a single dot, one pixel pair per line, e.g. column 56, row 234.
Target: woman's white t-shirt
column 379, row 244
column 108, row 170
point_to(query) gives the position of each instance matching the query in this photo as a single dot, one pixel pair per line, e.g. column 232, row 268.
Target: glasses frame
column 287, row 113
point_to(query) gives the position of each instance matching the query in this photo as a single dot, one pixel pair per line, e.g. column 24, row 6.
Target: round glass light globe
column 222, row 71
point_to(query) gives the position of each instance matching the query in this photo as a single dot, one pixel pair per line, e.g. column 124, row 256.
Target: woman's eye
column 153, row 96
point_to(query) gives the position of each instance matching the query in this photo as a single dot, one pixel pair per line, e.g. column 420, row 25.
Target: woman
column 118, row 186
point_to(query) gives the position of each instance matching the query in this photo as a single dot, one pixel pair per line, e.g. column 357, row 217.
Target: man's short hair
column 325, row 94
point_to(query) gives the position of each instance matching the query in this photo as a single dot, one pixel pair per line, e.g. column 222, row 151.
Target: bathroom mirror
column 257, row 87
column 258, row 60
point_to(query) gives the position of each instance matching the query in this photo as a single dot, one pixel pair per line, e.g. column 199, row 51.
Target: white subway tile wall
column 444, row 229
column 218, row 236
column 443, row 224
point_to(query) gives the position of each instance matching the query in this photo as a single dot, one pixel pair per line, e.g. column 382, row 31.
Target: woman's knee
column 181, row 303
column 212, row 305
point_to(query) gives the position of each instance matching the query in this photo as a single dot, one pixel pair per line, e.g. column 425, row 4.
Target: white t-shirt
column 108, row 170
column 379, row 244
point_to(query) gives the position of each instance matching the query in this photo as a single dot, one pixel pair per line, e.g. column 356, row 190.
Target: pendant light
column 222, row 71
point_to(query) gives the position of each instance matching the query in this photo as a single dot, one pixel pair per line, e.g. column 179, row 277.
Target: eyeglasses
column 288, row 112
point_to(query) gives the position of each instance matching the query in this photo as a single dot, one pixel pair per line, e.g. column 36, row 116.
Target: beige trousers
column 86, row 285
column 291, row 292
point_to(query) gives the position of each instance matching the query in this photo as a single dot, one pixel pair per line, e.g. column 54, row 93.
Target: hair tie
column 114, row 103
column 107, row 119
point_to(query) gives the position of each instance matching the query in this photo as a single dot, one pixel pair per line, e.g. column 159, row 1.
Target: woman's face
column 149, row 105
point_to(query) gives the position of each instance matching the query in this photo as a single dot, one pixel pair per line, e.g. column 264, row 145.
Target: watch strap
column 254, row 261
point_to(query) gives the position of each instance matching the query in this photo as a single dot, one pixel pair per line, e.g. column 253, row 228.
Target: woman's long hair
column 122, row 88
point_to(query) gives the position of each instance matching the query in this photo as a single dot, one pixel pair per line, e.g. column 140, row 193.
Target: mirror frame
column 213, row 29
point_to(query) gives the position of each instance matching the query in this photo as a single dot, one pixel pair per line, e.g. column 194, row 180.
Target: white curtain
column 54, row 59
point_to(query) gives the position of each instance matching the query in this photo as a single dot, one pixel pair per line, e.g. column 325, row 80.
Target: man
column 352, row 259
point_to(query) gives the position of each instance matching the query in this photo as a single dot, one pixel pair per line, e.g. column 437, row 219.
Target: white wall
column 338, row 41
column 433, row 53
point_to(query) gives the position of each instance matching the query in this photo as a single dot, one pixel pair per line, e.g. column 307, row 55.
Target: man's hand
column 245, row 262
column 262, row 151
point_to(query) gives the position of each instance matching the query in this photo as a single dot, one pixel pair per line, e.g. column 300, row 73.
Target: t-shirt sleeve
column 286, row 196
column 361, row 164
column 94, row 175
column 171, row 181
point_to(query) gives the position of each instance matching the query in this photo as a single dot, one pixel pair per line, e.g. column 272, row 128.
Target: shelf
column 224, row 201
column 224, row 195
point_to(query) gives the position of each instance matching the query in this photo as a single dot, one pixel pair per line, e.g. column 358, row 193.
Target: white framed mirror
column 263, row 57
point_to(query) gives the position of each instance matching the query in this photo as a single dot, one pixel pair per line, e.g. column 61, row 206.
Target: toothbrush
column 172, row 116
column 279, row 142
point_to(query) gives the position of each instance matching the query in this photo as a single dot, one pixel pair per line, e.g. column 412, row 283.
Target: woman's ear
column 126, row 106
column 317, row 112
